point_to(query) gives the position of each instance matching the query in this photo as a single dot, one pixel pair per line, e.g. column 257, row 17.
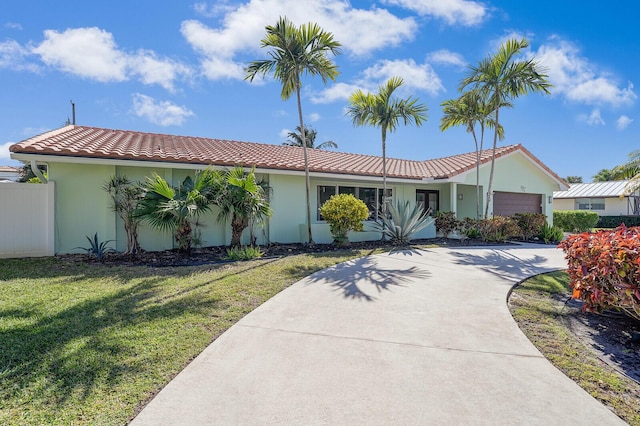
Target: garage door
column 509, row 203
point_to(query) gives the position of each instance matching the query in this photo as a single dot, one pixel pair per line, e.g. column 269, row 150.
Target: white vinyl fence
column 26, row 219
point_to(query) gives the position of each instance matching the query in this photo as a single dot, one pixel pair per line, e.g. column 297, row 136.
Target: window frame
column 373, row 216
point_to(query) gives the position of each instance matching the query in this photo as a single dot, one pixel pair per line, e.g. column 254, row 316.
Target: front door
column 428, row 199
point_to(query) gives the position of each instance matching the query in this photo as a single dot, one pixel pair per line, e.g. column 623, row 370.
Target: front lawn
column 91, row 344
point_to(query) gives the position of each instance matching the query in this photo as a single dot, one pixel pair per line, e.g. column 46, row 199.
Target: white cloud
column 93, row 53
column 623, row 122
column 162, row 113
column 574, row 77
column 14, row 56
column 13, row 26
column 464, row 12
column 284, row 133
column 213, row 10
column 336, row 92
column 361, row 31
column 446, row 57
column 4, row 151
column 593, row 119
column 416, row 77
column 313, row 117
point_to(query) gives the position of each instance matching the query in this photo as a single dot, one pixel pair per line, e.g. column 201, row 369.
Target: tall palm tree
column 295, row 51
column 242, row 198
column 384, row 111
column 167, row 208
column 470, row 110
column 501, row 78
column 310, row 134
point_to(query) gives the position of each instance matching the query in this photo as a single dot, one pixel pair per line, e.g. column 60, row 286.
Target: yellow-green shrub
column 344, row 213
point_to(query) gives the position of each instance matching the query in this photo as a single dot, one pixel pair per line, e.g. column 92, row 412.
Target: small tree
column 125, row 196
column 344, row 213
column 241, row 198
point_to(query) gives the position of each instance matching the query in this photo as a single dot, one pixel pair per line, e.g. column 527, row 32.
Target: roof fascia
column 45, row 158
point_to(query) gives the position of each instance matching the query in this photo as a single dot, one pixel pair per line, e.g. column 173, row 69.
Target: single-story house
column 604, row 198
column 9, row 173
column 81, row 159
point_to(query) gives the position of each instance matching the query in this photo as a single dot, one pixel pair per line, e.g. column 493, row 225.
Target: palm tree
column 500, row 78
column 384, row 111
column 310, row 134
column 167, row 208
column 242, row 198
column 470, row 110
column 295, row 51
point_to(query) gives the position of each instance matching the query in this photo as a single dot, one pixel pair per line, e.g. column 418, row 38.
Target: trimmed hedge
column 575, row 220
column 615, row 221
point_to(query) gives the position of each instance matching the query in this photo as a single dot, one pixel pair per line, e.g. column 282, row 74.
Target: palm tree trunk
column 306, row 165
column 478, row 149
column 493, row 162
column 384, row 170
column 238, row 225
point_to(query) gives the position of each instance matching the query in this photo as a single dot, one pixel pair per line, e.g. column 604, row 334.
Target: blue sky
column 177, row 67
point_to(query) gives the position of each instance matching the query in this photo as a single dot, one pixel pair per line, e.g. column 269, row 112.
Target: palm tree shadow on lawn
column 72, row 352
column 357, row 279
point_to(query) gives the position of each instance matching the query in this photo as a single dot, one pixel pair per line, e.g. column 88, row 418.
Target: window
column 324, row 193
column 590, row 204
column 428, row 199
column 372, row 197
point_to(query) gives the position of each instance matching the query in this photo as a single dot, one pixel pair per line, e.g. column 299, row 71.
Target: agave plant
column 404, row 222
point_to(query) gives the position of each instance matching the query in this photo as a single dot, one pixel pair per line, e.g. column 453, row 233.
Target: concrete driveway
column 413, row 337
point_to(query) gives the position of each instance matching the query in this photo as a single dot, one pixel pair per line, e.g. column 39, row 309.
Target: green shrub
column 244, row 253
column 446, row 222
column 499, row 229
column 344, row 213
column 404, row 222
column 615, row 221
column 551, row 234
column 530, row 224
column 575, row 220
column 470, row 227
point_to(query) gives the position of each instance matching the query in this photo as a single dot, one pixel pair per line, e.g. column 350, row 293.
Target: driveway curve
column 409, row 337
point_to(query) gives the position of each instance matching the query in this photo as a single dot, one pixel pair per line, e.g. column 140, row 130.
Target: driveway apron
column 408, row 337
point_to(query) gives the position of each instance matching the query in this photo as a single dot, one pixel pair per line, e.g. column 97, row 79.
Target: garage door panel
column 510, row 203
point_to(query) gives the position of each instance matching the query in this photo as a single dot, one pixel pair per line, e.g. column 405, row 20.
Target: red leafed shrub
column 604, row 268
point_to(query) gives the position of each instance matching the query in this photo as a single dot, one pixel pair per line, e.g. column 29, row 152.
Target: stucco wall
column 516, row 173
column 82, row 207
column 612, row 206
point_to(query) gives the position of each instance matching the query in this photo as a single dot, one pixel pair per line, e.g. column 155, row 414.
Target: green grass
column 91, row 344
column 541, row 318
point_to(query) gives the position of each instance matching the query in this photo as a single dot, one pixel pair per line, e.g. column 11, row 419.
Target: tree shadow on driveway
column 359, row 278
column 508, row 262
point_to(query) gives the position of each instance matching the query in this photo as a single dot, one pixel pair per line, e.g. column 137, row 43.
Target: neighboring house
column 81, row 159
column 9, row 173
column 604, row 198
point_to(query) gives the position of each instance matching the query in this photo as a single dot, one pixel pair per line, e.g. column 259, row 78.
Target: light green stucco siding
column 82, row 206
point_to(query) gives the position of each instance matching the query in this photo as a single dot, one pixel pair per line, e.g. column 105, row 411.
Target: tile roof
column 93, row 142
column 595, row 189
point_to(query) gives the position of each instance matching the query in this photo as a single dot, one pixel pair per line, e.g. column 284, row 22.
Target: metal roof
column 593, row 190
